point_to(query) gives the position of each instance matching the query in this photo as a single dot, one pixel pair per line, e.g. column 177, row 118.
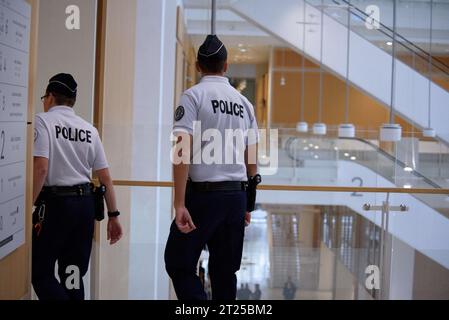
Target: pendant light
column 429, row 132
column 392, row 131
column 302, row 126
column 347, row 130
column 320, row 128
column 283, row 81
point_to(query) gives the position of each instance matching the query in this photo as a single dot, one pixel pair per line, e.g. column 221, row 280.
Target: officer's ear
column 225, row 67
column 198, row 68
column 51, row 99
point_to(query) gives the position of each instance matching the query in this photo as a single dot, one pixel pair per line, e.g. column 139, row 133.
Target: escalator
column 370, row 61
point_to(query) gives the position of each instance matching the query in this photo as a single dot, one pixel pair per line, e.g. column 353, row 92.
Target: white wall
column 153, row 114
column 67, row 51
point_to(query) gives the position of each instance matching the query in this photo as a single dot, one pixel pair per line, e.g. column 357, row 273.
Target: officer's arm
column 251, row 160
column 253, row 180
column 40, row 171
column 181, row 168
column 105, row 178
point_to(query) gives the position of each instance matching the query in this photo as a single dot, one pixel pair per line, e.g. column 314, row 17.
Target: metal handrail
column 265, row 187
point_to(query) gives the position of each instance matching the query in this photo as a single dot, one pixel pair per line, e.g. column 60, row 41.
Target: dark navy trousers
column 66, row 238
column 220, row 220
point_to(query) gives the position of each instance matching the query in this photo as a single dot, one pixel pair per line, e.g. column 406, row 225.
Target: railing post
column 213, row 17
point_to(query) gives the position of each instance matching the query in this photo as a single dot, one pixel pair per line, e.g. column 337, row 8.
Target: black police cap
column 64, row 84
column 212, row 49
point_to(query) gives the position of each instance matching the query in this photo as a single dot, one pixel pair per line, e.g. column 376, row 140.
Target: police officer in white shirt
column 66, row 150
column 213, row 198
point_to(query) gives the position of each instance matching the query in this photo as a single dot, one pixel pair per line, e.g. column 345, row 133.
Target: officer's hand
column 184, row 221
column 114, row 230
column 247, row 219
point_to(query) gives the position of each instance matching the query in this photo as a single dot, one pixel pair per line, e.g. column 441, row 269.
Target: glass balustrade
column 327, row 244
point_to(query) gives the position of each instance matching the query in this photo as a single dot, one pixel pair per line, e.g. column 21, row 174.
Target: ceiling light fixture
column 347, row 130
column 320, row 128
column 429, row 132
column 303, row 126
column 392, row 132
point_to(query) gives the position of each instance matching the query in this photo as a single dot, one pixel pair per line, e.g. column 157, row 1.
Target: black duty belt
column 80, row 190
column 217, row 186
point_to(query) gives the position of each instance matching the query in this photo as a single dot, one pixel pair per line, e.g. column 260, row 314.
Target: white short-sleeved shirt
column 71, row 145
column 218, row 107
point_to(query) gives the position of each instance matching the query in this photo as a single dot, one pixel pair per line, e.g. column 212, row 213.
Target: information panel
column 14, row 58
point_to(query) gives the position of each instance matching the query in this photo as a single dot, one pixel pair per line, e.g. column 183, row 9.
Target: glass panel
column 324, row 243
column 307, row 159
column 137, row 260
column 419, row 260
column 144, row 152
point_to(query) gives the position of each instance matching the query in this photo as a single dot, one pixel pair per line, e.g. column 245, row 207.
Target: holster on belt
column 99, row 193
column 251, row 192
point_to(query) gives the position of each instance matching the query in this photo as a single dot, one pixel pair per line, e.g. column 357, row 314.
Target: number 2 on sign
column 355, row 194
column 2, row 138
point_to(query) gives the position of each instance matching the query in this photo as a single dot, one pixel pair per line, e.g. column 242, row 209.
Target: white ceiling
column 245, row 42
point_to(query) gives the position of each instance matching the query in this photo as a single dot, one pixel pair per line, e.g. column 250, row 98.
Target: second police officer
column 66, row 149
column 213, row 200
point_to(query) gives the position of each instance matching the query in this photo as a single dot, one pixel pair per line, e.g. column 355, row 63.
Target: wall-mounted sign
column 14, row 58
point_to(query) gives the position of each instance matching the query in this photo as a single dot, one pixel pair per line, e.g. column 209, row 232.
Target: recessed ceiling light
column 407, row 186
column 389, row 43
column 316, row 156
column 240, row 45
column 353, row 158
column 317, row 147
column 311, row 145
column 346, row 154
column 408, row 169
column 243, row 50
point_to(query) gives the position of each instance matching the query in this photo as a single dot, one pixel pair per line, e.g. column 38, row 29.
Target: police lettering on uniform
column 229, row 108
column 73, row 134
column 213, row 200
column 66, row 150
